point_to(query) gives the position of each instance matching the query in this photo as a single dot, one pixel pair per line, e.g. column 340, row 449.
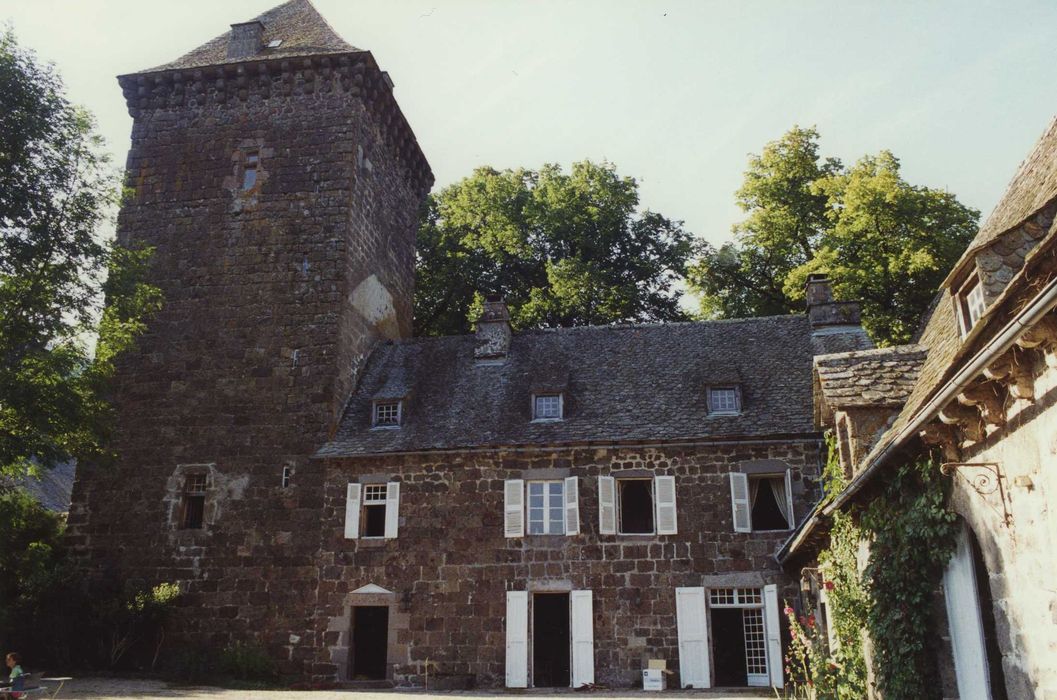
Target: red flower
column 829, row 585
column 810, row 620
column 788, row 610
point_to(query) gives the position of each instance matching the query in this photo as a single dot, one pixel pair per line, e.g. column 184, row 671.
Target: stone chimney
column 823, row 311
column 493, row 331
column 245, row 39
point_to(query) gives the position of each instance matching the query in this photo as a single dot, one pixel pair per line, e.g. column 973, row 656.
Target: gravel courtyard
column 104, row 688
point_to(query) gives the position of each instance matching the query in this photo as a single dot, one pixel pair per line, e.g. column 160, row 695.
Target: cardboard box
column 653, row 679
column 656, row 664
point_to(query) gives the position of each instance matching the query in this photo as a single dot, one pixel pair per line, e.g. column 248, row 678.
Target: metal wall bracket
column 987, row 479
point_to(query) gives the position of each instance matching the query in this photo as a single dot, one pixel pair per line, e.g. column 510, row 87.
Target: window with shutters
column 635, row 506
column 372, row 510
column 546, row 507
column 761, row 502
column 193, row 502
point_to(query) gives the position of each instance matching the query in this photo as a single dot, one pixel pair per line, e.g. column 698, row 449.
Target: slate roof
column 1032, row 187
column 297, row 23
column 881, row 377
column 52, row 489
column 620, row 383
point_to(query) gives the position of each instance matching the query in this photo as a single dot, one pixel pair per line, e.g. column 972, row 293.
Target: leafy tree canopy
column 561, row 249
column 882, row 240
column 56, row 192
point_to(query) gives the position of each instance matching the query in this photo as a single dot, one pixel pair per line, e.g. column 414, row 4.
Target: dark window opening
column 374, row 521
column 194, row 502
column 766, row 512
column 370, row 642
column 987, row 614
column 728, row 647
column 636, row 506
column 249, row 171
column 550, row 640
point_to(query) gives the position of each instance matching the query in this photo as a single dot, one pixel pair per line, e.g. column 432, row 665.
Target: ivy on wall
column 910, row 535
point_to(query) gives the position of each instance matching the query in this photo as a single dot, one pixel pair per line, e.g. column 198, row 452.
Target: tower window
column 249, row 171
column 194, row 502
column 388, row 414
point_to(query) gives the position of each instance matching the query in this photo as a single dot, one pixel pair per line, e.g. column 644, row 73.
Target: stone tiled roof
column 620, row 383
column 299, row 26
column 881, row 377
column 52, row 489
column 1033, row 186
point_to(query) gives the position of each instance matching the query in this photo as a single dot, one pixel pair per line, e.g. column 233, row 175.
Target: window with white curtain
column 770, row 503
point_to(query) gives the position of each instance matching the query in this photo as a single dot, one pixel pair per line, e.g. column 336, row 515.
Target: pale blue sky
column 675, row 93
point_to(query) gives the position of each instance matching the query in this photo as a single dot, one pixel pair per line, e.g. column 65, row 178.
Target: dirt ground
column 105, row 688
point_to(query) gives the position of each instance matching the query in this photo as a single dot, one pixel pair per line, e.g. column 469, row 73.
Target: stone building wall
column 271, row 297
column 447, row 573
column 1021, row 559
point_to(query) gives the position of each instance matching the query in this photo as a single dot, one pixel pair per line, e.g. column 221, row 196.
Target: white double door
column 581, row 633
column 695, row 668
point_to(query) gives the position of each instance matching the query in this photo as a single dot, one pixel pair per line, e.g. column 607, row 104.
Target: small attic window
column 275, row 43
column 724, row 400
column 971, row 303
column 387, row 414
column 547, row 407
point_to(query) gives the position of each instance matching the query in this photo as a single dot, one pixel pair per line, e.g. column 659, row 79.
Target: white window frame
column 374, row 496
column 356, row 503
column 547, row 485
column 536, row 418
column 971, row 303
column 378, row 404
column 787, row 475
column 287, row 473
column 735, row 392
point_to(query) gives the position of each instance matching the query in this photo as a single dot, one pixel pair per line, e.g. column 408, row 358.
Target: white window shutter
column 607, row 505
column 789, row 497
column 572, row 506
column 517, row 639
column 664, row 494
column 514, row 508
column 583, row 634
column 774, row 639
column 739, row 502
column 693, row 638
column 352, row 512
column 966, row 622
column 392, row 509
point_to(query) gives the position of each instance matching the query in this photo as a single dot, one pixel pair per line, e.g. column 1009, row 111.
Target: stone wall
column 272, row 296
column 449, row 569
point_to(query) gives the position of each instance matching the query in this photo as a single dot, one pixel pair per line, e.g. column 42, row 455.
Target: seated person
column 14, row 662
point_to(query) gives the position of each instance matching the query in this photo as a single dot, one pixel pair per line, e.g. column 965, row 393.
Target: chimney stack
column 493, row 331
column 823, row 311
column 245, row 39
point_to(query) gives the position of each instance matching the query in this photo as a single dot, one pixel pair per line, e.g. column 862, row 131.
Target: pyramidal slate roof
column 881, row 377
column 297, row 23
column 619, row 383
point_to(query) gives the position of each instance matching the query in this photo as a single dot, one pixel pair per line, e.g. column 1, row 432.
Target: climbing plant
column 912, row 533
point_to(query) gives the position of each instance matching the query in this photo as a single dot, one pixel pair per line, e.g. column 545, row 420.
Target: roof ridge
column 909, row 348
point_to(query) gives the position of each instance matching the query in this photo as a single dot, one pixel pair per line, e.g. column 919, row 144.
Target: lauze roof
column 620, row 383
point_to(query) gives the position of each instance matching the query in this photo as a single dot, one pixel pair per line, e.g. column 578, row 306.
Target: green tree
column 56, row 269
column 882, row 240
column 562, row 249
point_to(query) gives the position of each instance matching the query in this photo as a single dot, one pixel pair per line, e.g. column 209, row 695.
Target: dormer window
column 275, row 43
column 388, row 414
column 971, row 303
column 547, row 407
column 249, row 171
column 724, row 400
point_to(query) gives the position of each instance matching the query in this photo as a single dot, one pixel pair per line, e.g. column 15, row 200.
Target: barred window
column 193, row 503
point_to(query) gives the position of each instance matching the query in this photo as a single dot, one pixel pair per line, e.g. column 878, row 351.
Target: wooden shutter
column 514, row 508
column 789, row 498
column 516, row 639
column 693, row 637
column 572, row 506
column 774, row 639
column 607, row 505
column 739, row 502
column 583, row 634
column 352, row 512
column 966, row 624
column 664, row 494
column 392, row 509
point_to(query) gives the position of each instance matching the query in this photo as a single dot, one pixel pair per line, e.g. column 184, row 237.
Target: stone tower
column 279, row 184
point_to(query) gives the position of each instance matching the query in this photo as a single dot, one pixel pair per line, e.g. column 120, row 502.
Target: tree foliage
column 56, row 268
column 563, row 249
column 883, row 241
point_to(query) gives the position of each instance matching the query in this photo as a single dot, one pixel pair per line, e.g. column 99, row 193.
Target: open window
column 761, row 502
column 372, row 510
column 193, row 502
column 637, row 505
